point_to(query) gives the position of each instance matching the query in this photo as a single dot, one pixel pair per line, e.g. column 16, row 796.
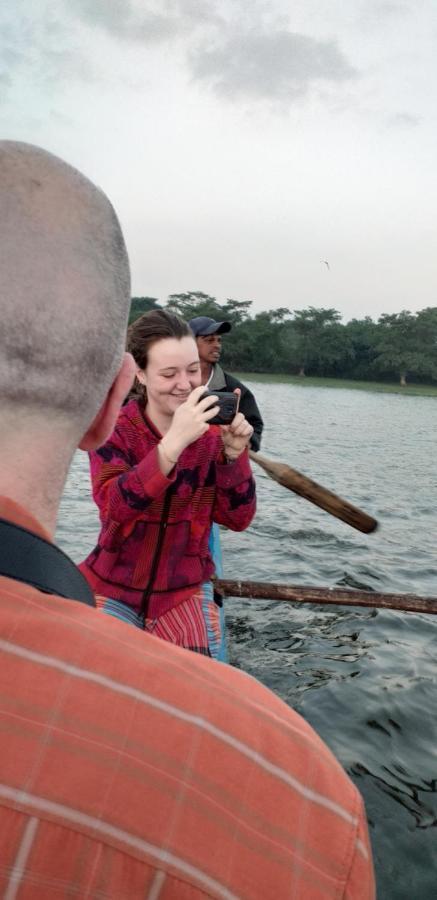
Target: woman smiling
column 160, row 480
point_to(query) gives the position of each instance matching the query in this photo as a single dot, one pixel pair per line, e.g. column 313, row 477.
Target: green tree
column 236, row 311
column 398, row 346
column 361, row 334
column 255, row 344
column 236, row 346
column 312, row 340
column 140, row 305
column 190, row 304
column 305, row 336
column 426, row 321
column 237, row 342
column 333, row 351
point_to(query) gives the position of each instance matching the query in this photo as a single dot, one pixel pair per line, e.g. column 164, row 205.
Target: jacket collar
column 134, row 408
column 217, row 382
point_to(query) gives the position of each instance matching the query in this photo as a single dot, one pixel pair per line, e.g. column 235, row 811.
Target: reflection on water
column 365, row 679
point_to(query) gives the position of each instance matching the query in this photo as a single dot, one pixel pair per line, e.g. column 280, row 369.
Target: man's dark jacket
column 222, row 381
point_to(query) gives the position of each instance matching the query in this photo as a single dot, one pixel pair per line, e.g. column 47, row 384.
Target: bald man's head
column 64, row 287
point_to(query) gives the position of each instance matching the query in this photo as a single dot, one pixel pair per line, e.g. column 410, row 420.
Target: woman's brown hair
column 146, row 331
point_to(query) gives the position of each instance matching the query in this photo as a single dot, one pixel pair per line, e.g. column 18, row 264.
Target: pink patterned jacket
column 152, row 552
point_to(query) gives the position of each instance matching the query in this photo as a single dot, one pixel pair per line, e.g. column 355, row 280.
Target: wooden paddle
column 263, row 590
column 315, row 493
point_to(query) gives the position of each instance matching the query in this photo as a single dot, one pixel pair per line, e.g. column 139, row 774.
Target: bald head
column 64, row 288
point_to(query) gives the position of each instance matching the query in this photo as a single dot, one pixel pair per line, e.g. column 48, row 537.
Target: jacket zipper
column 156, row 556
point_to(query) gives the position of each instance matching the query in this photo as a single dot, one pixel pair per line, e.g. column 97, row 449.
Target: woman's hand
column 189, row 422
column 236, row 436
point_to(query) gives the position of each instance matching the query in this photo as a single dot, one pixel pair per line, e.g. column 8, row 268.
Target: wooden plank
column 260, row 590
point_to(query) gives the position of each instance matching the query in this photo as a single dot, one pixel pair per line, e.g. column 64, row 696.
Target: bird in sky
column 326, row 264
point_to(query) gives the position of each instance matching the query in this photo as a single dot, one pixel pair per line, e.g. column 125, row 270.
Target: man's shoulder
column 82, row 638
column 166, row 723
column 232, row 382
column 223, row 381
column 137, row 663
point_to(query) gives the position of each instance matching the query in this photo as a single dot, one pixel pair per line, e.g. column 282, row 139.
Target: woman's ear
column 141, row 376
column 104, row 423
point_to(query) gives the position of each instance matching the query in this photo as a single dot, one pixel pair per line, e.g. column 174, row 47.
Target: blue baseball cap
column 202, row 326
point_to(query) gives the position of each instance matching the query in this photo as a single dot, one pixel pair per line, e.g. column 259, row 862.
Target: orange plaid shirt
column 131, row 768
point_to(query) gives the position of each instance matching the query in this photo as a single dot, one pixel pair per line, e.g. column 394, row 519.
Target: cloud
column 38, row 49
column 241, row 52
column 386, row 8
column 375, row 14
column 48, row 45
column 5, row 80
column 145, row 21
column 270, row 65
column 403, row 120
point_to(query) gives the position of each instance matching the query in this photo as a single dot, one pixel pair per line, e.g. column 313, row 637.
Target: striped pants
column 196, row 624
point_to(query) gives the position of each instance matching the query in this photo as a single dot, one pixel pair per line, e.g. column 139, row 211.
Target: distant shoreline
column 410, row 390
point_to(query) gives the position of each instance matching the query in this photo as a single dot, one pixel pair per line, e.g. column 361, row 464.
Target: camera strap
column 29, row 558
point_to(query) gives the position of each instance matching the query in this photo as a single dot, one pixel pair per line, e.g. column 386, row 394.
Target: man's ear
column 104, row 422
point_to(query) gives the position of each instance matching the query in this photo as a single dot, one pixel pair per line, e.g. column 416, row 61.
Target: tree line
column 398, row 346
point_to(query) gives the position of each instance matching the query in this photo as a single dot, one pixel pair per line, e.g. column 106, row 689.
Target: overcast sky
column 242, row 142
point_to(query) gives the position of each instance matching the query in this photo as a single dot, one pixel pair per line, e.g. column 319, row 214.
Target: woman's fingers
column 207, row 403
column 195, row 398
column 201, row 403
column 196, row 394
column 240, row 426
column 210, row 412
column 236, row 421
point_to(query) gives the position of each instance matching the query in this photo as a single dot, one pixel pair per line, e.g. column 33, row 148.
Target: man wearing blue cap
column 208, row 334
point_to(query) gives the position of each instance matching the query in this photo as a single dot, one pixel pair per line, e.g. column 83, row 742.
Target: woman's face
column 172, row 372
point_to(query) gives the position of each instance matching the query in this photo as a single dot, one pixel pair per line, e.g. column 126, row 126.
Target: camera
column 227, row 403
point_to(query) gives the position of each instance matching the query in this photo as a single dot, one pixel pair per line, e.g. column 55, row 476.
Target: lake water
column 365, row 679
